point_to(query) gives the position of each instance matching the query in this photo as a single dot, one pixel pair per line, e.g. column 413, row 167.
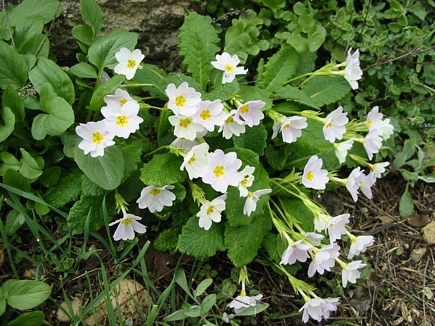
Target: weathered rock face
column 156, row 21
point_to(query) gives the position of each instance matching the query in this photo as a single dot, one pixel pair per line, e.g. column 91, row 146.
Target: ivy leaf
column 47, row 71
column 102, row 51
column 280, row 68
column 198, row 41
column 254, row 139
column 243, row 242
column 106, row 171
column 13, row 67
column 200, row 243
column 326, row 89
column 92, row 15
column 162, row 170
column 59, row 117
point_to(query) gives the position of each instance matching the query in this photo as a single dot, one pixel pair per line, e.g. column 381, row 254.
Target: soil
column 398, row 289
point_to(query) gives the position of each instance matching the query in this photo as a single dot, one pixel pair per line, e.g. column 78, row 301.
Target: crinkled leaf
column 25, row 294
column 253, row 93
column 198, row 45
column 47, row 71
column 47, row 10
column 247, row 156
column 102, row 50
column 280, row 68
column 132, row 156
column 326, row 89
column 162, row 170
column 200, row 243
column 254, row 139
column 154, row 76
column 66, row 191
column 92, row 14
column 223, row 92
column 59, row 117
column 277, row 157
column 109, row 87
column 13, row 67
column 167, row 239
column 107, row 171
column 244, row 241
column 297, row 95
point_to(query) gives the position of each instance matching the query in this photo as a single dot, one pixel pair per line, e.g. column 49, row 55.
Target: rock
column 417, row 254
column 429, row 233
column 63, row 313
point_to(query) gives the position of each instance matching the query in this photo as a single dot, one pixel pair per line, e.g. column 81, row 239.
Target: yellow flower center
column 219, row 171
column 191, row 160
column 122, row 121
column 180, row 100
column 329, row 125
column 122, row 101
column 310, row 176
column 131, row 63
column 228, row 68
column 369, row 122
column 154, row 192
column 229, row 120
column 210, row 210
column 127, row 221
column 97, row 137
column 185, row 122
column 244, row 108
column 286, row 126
column 244, row 182
column 205, row 114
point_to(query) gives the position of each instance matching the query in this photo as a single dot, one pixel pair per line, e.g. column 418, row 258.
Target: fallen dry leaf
column 418, row 221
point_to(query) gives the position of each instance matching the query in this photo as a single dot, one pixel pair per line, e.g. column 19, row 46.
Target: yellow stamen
column 369, row 122
column 131, row 63
column 180, row 100
column 205, row 114
column 122, row 101
column 97, row 137
column 185, row 122
column 310, row 176
column 191, row 160
column 122, row 121
column 219, row 171
column 155, row 192
column 127, row 221
column 210, row 210
column 244, row 108
column 229, row 120
column 228, row 68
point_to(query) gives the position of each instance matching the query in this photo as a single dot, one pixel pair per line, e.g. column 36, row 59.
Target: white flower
column 211, row 212
column 318, row 308
column 336, row 226
column 291, row 128
column 96, row 137
column 120, row 98
column 155, row 198
column 228, row 64
column 221, row 171
column 251, row 200
column 127, row 227
column 359, row 245
column 183, row 143
column 387, row 129
column 210, row 114
column 374, row 118
column 314, row 238
column 324, row 259
column 342, row 148
column 184, row 127
column 353, row 72
column 196, row 161
column 320, row 222
column 122, row 120
column 297, row 251
column 314, row 176
column 351, row 272
column 183, row 100
column 352, row 182
column 247, row 180
column 250, row 113
column 243, row 302
column 232, row 126
column 378, row 168
column 128, row 62
column 335, row 124
column 366, row 184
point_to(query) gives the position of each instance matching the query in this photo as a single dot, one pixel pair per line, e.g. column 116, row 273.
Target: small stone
column 63, row 313
column 429, row 233
column 417, row 254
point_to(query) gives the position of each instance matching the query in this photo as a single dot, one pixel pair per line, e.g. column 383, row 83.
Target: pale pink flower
column 341, row 149
column 324, row 259
column 127, row 227
column 335, row 125
column 183, row 100
column 378, row 168
column 184, row 143
column 250, row 113
column 352, row 182
column 372, row 143
column 228, row 64
column 314, row 176
column 242, row 302
column 336, row 227
column 351, row 272
column 314, row 238
column 120, row 98
column 297, row 251
column 247, row 180
column 96, row 137
column 232, row 126
column 366, row 184
column 196, row 161
column 128, row 62
column 291, row 128
column 374, row 119
column 122, row 120
column 318, row 308
column 155, row 198
column 211, row 212
column 353, row 72
column 210, row 114
column 359, row 244
column 184, row 127
column 251, row 200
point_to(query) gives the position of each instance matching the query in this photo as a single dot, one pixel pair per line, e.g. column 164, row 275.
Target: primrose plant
column 214, row 158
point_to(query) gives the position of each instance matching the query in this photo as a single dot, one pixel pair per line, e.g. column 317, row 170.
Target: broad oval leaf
column 33, row 318
column 13, row 67
column 8, row 123
column 25, row 294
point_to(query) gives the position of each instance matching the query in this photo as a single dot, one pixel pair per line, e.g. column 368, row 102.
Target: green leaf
column 280, row 68
column 408, row 150
column 47, row 10
column 247, row 156
column 12, row 100
column 84, row 36
column 30, row 27
column 15, row 179
column 163, row 170
column 132, row 156
column 297, row 95
column 224, row 92
column 243, row 242
column 2, row 306
column 406, row 203
column 83, row 70
column 206, row 304
column 102, row 50
column 106, row 171
column 297, row 209
column 37, row 45
column 47, row 71
column 88, row 205
column 198, row 40
column 167, row 239
column 277, row 157
column 8, row 123
column 13, row 67
column 29, row 166
column 203, row 286
column 109, row 87
column 14, row 220
column 59, row 117
column 66, row 191
column 33, row 318
column 200, row 243
column 253, row 93
column 326, row 89
column 254, row 139
column 25, row 294
column 252, row 311
column 92, row 15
